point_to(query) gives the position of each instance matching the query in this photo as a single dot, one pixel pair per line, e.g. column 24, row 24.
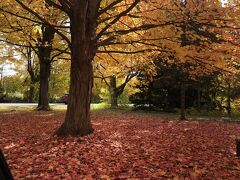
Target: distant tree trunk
column 113, row 92
column 54, row 84
column 149, row 96
column 116, row 91
column 83, row 22
column 221, row 108
column 44, row 50
column 31, row 93
column 183, row 94
column 229, row 109
column 208, row 99
column 198, row 98
column 33, row 78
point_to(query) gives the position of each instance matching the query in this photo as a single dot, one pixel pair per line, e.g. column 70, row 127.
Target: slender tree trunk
column 83, row 49
column 31, row 93
column 221, row 108
column 1, row 89
column 229, row 108
column 208, row 99
column 183, row 93
column 31, row 73
column 149, row 96
column 199, row 99
column 54, row 84
column 44, row 50
column 113, row 92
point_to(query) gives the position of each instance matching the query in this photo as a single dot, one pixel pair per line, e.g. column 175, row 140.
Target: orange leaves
column 125, row 145
column 199, row 30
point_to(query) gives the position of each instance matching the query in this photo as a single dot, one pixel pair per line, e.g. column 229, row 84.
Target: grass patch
column 190, row 113
column 54, row 107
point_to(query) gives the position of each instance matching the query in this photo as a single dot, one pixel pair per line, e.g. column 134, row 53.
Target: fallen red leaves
column 123, row 146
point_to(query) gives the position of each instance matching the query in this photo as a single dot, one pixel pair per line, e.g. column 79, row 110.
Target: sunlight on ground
column 15, row 108
column 57, row 107
column 93, row 106
column 191, row 115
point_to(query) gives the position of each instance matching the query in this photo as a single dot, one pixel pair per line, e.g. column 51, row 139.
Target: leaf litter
column 124, row 146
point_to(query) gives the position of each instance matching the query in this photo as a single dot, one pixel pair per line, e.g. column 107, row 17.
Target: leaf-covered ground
column 125, row 145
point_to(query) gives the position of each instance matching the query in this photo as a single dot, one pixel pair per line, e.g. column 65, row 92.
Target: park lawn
column 59, row 107
column 125, row 145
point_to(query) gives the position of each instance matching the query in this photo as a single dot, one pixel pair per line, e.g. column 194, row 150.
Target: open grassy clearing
column 57, row 106
column 211, row 115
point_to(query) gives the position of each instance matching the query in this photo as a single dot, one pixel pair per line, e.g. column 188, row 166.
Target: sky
column 7, row 70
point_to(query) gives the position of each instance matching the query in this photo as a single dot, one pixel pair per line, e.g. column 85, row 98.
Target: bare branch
column 43, row 20
column 117, row 18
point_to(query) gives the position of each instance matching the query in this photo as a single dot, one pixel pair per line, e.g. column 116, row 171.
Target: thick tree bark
column 83, row 49
column 43, row 101
column 114, row 100
column 77, row 120
column 44, row 50
column 183, row 94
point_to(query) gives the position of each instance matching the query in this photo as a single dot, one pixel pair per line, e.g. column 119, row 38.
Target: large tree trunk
column 113, row 92
column 77, row 120
column 183, row 94
column 83, row 40
column 45, row 49
column 43, row 101
column 114, row 100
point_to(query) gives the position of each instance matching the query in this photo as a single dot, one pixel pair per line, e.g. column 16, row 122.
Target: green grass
column 190, row 114
column 215, row 115
column 93, row 107
column 99, row 106
column 62, row 107
column 193, row 114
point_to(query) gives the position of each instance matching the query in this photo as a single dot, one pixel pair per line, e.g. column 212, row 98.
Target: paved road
column 29, row 104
